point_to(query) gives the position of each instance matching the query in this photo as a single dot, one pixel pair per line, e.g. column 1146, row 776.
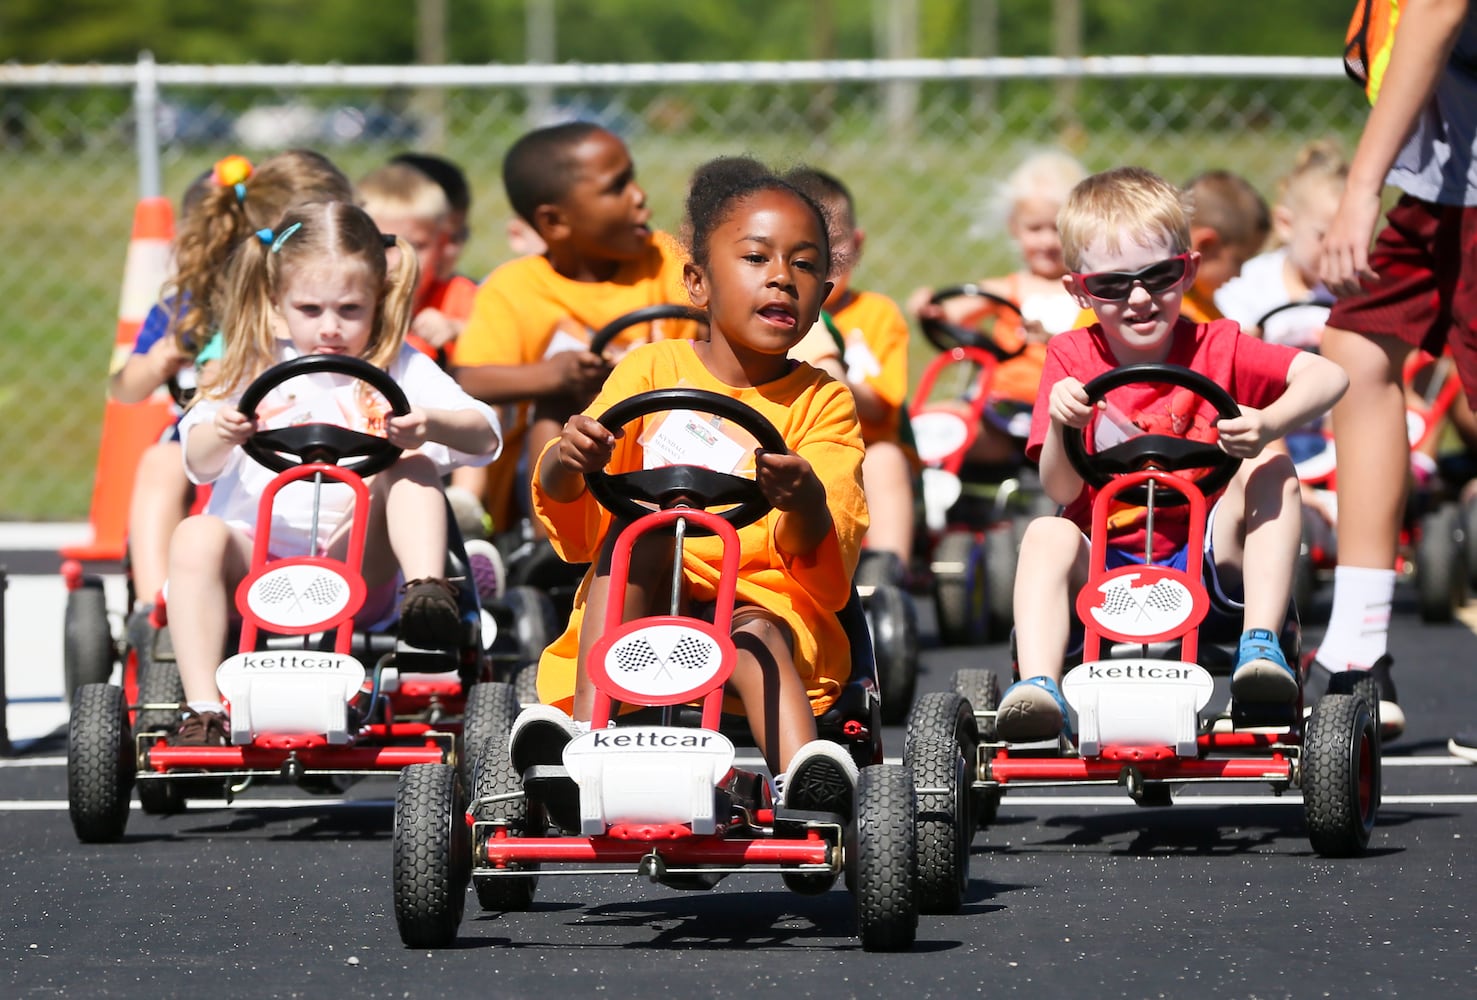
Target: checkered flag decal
column 663, row 658
column 1144, row 610
column 325, row 591
column 635, row 657
column 275, row 590
column 298, row 595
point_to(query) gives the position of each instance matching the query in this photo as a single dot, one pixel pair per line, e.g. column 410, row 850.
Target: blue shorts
column 1221, row 599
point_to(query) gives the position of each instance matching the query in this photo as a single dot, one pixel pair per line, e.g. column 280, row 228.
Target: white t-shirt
column 1260, row 288
column 326, row 398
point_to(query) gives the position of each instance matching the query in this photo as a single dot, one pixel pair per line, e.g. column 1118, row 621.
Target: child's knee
column 1052, row 537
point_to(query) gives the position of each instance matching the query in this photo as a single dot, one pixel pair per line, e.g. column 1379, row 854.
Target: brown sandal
column 429, row 614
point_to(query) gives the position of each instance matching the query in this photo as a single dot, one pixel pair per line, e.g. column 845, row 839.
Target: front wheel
column 893, row 622
column 1440, row 576
column 431, row 855
column 981, row 688
column 88, row 650
column 99, row 764
column 883, row 859
column 960, row 589
column 1341, row 775
column 497, row 781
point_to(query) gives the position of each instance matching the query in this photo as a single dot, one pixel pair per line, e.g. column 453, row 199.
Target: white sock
column 201, row 707
column 1359, row 624
column 777, row 786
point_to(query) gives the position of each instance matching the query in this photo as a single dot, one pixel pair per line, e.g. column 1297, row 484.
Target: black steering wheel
column 646, row 314
column 946, row 336
column 328, row 443
column 1162, row 451
column 622, row 493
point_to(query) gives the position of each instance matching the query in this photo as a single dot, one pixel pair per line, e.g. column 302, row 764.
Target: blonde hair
column 1124, row 202
column 306, row 236
column 400, row 189
column 223, row 217
column 1320, row 161
column 1049, row 174
column 1227, row 204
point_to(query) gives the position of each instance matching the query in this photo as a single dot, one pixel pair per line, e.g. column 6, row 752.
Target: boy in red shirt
column 1126, row 238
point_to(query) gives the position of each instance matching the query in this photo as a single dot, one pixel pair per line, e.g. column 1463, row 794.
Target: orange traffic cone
column 129, row 428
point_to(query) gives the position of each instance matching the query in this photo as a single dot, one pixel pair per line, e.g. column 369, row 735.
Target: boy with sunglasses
column 1126, row 239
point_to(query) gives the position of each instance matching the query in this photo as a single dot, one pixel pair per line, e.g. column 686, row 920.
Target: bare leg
column 775, row 701
column 889, row 488
column 161, row 499
column 1258, row 523
column 1053, row 567
column 648, row 590
column 1373, row 451
column 207, row 560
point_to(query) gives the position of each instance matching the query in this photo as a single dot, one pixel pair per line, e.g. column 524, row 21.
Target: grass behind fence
column 919, row 197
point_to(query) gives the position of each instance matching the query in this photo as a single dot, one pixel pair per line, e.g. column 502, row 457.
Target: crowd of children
column 286, row 258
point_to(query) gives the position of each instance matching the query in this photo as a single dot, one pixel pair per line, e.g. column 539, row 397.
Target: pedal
column 1263, row 716
column 1057, row 746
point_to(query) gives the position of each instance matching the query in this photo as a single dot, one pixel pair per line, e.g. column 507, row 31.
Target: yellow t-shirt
column 815, row 415
column 524, row 304
column 876, row 336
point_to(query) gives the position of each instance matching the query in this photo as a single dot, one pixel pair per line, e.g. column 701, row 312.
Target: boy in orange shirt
column 873, row 363
column 526, row 343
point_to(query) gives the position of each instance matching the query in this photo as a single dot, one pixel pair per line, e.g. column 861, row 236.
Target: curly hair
column 719, row 183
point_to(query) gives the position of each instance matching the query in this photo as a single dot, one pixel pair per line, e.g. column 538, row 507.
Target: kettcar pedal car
column 661, row 797
column 1143, row 681
column 304, row 709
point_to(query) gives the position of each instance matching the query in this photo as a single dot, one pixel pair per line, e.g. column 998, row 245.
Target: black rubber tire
column 495, row 776
column 158, row 684
column 892, row 620
column 490, row 711
column 960, row 589
column 88, row 650
column 1341, row 775
column 1469, row 539
column 100, row 764
column 432, row 855
column 877, row 568
column 535, row 621
column 525, row 684
column 1002, row 553
column 1440, row 573
column 944, row 827
column 981, row 688
column 883, row 859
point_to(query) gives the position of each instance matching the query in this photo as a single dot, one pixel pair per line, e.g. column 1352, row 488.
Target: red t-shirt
column 1251, row 370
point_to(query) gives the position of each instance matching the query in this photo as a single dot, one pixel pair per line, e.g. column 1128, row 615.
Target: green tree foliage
column 480, row 31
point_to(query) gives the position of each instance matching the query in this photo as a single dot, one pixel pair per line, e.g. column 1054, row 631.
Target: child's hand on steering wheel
column 232, row 426
column 585, row 445
column 787, row 481
column 1068, row 405
column 410, row 430
column 1245, row 436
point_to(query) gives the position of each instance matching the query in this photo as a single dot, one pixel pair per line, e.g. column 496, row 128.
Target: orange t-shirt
column 453, row 299
column 876, row 337
column 815, row 415
column 526, row 311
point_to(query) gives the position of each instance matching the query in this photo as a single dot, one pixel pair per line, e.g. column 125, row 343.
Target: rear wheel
column 981, row 688
column 88, row 650
column 535, row 621
column 1341, row 775
column 99, row 764
column 495, row 778
column 893, row 622
column 1002, row 552
column 431, row 855
column 1440, row 576
column 939, row 751
column 159, row 684
column 959, row 588
column 883, row 860
column 490, row 712
column 878, row 568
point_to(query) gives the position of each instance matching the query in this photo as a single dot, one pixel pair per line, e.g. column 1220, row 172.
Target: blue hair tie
column 286, row 233
column 266, row 236
column 241, row 193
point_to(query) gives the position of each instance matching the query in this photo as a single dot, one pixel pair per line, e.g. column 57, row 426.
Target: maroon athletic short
column 1424, row 295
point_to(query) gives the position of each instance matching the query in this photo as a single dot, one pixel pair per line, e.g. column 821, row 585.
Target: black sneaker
column 1320, row 681
column 822, row 778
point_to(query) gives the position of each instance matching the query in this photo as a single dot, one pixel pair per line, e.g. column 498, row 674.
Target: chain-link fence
column 922, row 144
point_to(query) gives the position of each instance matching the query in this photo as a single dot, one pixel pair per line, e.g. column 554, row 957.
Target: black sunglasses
column 1116, row 286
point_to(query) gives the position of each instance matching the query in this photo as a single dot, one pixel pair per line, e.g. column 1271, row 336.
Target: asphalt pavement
column 1072, row 893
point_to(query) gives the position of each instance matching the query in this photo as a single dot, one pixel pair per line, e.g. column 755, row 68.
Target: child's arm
column 465, row 430
column 576, row 373
column 791, row 486
column 1070, row 412
column 208, row 446
column 141, row 374
column 585, row 445
column 1314, row 384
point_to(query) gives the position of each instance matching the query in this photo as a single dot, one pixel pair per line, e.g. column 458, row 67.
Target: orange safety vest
column 1367, row 45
